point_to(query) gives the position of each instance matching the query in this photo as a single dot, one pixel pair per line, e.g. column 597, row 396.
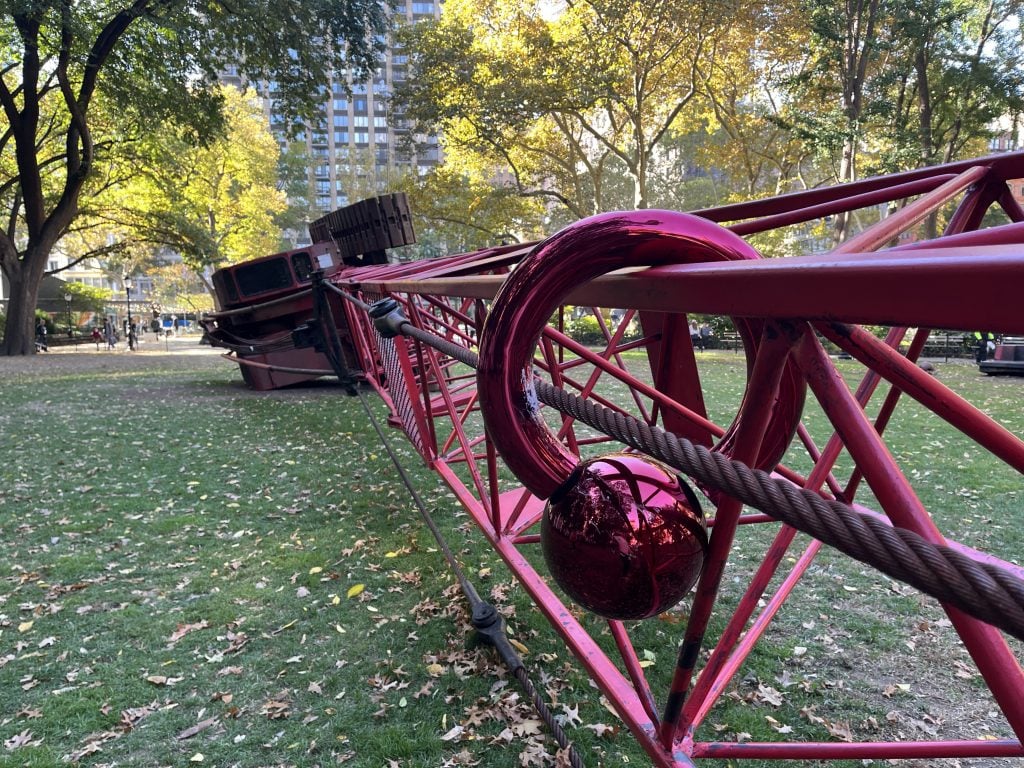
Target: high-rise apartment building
column 360, row 139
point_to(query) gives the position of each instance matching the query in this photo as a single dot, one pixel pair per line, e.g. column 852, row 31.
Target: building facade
column 360, row 141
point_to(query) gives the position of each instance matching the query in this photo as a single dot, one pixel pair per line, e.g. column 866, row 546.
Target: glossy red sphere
column 624, row 536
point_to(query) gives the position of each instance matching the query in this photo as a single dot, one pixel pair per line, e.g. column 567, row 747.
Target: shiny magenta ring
column 541, row 282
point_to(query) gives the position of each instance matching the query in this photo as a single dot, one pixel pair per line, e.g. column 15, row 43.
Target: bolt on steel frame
column 656, row 267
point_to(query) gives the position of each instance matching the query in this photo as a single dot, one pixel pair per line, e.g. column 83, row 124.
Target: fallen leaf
column 529, row 727
column 453, row 734
column 571, row 715
column 769, row 695
column 184, row 629
column 840, row 730
column 18, row 740
column 602, row 729
column 276, row 709
column 355, row 589
column 161, row 680
column 202, row 725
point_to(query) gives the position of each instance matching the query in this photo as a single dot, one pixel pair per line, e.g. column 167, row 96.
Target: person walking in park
column 41, row 335
column 705, row 336
column 108, row 334
column 985, row 344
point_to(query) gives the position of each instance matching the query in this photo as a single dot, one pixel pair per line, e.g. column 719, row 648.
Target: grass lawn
column 197, row 574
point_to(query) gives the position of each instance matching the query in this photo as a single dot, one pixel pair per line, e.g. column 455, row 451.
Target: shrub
column 585, row 330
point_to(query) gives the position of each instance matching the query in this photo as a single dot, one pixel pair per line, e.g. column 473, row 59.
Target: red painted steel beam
column 858, row 751
column 1003, row 166
column 811, row 212
column 873, row 238
column 963, row 288
column 976, row 287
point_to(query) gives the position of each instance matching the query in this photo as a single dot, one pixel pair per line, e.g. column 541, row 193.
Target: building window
column 360, row 121
column 359, row 104
column 341, row 121
column 341, row 137
column 380, row 122
column 362, row 137
column 340, row 105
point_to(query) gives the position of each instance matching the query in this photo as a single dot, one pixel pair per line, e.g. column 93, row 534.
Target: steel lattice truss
column 502, row 454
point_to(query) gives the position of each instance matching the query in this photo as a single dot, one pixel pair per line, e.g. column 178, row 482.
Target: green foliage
column 293, row 180
column 585, row 330
column 87, row 298
column 575, row 122
column 619, row 104
column 213, row 203
column 464, row 211
column 909, row 83
column 87, row 81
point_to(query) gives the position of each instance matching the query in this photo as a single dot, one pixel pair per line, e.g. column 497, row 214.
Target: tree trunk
column 19, row 331
column 924, row 102
column 847, row 173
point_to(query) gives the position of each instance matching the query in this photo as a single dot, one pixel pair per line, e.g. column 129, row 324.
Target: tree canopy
column 81, row 82
column 572, row 105
column 213, row 203
column 594, row 105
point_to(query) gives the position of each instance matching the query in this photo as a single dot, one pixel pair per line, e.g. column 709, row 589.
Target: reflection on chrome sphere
column 624, row 537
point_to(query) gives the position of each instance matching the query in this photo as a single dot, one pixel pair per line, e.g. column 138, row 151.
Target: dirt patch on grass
column 175, row 354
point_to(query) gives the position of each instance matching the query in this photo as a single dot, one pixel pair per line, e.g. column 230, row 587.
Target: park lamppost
column 128, row 295
column 67, row 303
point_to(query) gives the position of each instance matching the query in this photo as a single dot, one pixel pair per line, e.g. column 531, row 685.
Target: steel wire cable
column 486, row 620
column 262, row 305
column 281, row 342
column 982, row 590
